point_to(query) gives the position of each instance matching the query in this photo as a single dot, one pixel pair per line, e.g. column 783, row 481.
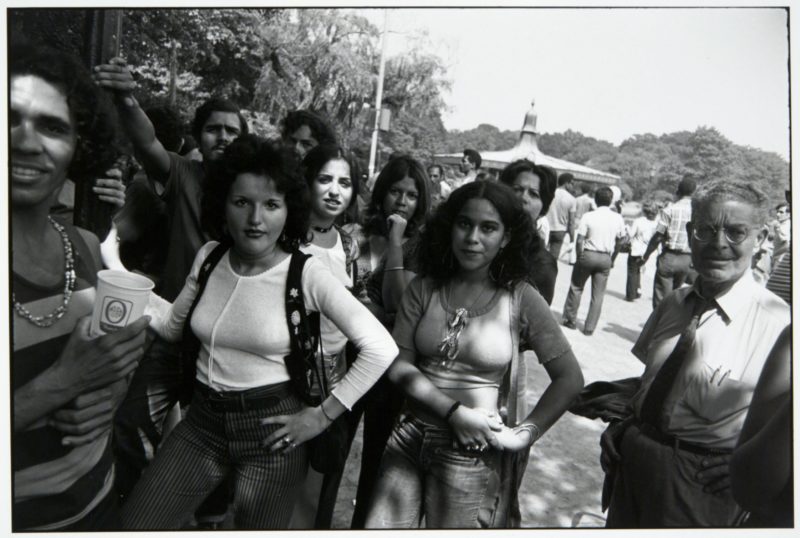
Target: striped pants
column 201, row 451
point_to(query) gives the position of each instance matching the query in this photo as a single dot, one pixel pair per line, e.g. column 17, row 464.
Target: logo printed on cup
column 115, row 313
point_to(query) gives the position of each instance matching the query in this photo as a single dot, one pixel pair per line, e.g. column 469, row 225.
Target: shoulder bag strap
column 191, row 345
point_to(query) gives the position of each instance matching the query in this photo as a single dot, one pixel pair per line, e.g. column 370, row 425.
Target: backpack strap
column 304, row 336
column 191, row 345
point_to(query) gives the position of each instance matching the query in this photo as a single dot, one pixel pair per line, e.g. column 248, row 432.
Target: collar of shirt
column 736, row 298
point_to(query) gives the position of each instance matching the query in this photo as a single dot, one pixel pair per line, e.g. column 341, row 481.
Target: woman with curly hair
column 246, row 418
column 459, row 328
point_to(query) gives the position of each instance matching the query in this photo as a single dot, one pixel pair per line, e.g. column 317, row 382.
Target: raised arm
column 116, row 77
column 395, row 277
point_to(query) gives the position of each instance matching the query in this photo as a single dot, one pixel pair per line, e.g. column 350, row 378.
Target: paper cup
column 120, row 299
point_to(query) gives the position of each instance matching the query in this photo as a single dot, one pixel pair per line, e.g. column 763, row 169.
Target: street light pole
column 373, row 149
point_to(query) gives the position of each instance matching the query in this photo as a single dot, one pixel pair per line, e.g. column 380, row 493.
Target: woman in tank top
column 460, row 325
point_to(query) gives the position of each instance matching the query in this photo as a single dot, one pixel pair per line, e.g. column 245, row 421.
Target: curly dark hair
column 547, row 179
column 320, row 128
column 250, row 153
column 397, row 169
column 511, row 265
column 320, row 155
column 94, row 115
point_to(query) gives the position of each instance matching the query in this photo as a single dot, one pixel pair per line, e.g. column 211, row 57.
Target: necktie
column 665, row 378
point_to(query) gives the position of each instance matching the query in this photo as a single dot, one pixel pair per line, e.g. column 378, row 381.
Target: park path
column 563, row 481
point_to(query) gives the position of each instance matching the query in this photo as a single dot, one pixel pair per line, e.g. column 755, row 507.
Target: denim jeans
column 591, row 264
column 206, row 447
column 422, row 475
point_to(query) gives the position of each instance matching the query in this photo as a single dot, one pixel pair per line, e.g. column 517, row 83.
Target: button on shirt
column 558, row 214
column 672, row 223
column 600, row 229
column 711, row 395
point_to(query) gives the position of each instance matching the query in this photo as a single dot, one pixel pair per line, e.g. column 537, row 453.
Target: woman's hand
column 474, row 428
column 513, row 439
column 397, row 229
column 295, row 429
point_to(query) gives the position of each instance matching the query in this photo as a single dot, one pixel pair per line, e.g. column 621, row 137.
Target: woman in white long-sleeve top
column 245, row 418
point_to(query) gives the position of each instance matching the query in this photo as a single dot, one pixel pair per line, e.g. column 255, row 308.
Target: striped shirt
column 672, row 223
column 780, row 281
column 54, row 485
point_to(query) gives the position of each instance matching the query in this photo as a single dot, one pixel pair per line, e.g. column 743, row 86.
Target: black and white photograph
column 398, row 266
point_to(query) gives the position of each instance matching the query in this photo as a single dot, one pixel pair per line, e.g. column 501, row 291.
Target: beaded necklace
column 69, row 285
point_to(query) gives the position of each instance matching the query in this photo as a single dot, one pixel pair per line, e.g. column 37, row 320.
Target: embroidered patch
column 295, row 318
column 293, row 293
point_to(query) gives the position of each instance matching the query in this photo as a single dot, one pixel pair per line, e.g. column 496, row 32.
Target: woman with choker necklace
column 396, row 212
column 66, row 383
column 332, row 176
column 460, row 327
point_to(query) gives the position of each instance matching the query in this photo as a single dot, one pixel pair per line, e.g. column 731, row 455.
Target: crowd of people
column 296, row 298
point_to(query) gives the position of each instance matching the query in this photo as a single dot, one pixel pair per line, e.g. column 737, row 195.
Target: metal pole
column 373, row 148
column 102, row 34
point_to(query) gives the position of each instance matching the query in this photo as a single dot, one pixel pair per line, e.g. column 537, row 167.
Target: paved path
column 563, row 482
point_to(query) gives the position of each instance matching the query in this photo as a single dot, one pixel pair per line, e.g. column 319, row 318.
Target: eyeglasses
column 734, row 234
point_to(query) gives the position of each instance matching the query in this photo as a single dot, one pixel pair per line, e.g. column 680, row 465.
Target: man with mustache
column 703, row 350
column 157, row 383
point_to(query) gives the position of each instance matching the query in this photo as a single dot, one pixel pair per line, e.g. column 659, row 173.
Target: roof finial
column 530, row 119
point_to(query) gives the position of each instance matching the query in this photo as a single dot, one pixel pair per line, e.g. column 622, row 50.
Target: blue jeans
column 421, row 474
column 205, row 448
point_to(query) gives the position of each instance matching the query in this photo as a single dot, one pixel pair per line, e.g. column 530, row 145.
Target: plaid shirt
column 672, row 223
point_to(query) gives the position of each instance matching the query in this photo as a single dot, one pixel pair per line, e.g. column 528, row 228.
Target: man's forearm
column 38, row 398
column 142, row 135
column 652, row 245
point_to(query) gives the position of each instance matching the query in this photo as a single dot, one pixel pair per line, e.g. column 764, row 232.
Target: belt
column 597, row 251
column 673, row 251
column 244, row 400
column 670, row 440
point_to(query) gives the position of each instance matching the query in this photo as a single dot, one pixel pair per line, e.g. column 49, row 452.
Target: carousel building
column 528, row 148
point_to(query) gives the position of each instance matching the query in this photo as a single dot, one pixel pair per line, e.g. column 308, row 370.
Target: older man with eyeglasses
column 703, row 349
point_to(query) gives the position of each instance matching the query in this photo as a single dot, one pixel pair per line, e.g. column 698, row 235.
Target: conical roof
column 527, row 148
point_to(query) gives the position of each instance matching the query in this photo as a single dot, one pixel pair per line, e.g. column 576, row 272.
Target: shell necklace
column 448, row 347
column 69, row 285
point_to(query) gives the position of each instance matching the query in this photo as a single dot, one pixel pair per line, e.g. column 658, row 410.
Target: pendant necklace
column 321, row 229
column 448, row 347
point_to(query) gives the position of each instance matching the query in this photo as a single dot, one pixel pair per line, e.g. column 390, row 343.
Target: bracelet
column 533, row 431
column 451, row 411
column 398, row 268
column 322, row 408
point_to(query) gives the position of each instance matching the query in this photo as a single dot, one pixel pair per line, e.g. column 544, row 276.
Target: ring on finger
column 287, row 440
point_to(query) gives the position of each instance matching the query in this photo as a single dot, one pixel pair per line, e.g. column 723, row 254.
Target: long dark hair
column 250, row 153
column 396, row 170
column 546, row 175
column 512, row 263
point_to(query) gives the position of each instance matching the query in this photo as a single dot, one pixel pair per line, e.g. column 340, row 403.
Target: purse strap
column 191, row 344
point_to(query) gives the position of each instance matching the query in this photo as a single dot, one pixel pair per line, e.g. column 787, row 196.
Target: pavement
column 563, row 482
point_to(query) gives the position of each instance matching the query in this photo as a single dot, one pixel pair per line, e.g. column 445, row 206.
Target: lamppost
column 373, row 148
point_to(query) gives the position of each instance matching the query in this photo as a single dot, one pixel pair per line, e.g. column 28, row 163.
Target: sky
column 609, row 73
